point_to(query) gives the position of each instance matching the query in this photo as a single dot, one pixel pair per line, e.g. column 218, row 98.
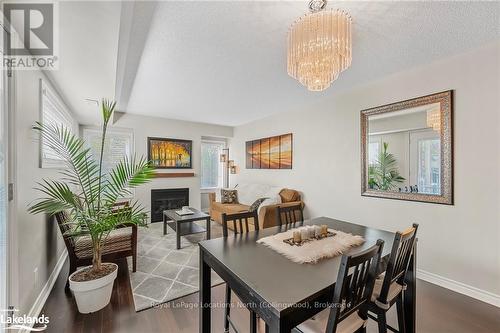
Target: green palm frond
column 107, row 109
column 59, row 197
column 128, row 173
column 384, row 173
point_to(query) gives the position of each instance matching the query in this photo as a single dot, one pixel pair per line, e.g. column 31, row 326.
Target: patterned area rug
column 164, row 273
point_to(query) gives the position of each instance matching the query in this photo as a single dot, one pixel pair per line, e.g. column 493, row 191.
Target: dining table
column 281, row 292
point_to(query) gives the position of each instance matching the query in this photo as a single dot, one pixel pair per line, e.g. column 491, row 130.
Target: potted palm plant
column 384, row 173
column 89, row 195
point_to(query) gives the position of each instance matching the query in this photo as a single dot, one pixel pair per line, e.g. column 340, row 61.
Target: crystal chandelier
column 319, row 46
column 434, row 119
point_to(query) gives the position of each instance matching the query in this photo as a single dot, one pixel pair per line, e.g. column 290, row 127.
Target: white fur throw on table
column 313, row 251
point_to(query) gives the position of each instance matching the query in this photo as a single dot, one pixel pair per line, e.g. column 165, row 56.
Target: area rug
column 312, row 251
column 164, row 273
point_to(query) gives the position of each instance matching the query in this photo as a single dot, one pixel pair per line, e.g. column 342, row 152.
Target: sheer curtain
column 211, row 168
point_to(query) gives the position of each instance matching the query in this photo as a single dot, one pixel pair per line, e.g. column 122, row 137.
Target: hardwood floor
column 438, row 311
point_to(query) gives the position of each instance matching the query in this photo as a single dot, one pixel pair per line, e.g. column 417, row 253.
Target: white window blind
column 211, row 167
column 53, row 112
column 119, row 145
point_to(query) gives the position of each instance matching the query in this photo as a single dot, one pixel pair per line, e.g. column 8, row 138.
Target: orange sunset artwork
column 270, row 153
column 169, row 153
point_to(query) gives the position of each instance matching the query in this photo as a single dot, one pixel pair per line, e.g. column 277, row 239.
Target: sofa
column 247, row 194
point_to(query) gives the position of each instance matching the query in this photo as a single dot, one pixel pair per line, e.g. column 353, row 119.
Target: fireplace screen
column 166, row 199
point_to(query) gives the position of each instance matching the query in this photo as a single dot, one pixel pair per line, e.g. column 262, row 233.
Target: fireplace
column 164, row 199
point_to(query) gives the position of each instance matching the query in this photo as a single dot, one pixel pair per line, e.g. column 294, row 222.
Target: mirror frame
column 445, row 99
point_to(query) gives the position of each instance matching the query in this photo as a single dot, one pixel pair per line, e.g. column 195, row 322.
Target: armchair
column 121, row 243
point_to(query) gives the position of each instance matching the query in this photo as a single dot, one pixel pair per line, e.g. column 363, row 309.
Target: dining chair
column 241, row 222
column 289, row 215
column 355, row 281
column 240, row 225
column 389, row 286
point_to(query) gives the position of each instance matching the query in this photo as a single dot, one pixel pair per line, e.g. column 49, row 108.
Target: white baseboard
column 460, row 287
column 47, row 288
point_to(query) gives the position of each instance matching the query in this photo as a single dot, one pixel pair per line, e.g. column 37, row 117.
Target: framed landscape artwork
column 170, row 153
column 270, row 153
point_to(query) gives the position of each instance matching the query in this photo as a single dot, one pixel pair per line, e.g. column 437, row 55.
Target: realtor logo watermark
column 10, row 321
column 31, row 35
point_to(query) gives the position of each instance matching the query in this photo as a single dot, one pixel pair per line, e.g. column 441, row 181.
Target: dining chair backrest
column 240, row 222
column 399, row 260
column 289, row 215
column 354, row 285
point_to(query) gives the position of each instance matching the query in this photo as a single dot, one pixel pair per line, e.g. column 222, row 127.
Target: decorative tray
column 290, row 241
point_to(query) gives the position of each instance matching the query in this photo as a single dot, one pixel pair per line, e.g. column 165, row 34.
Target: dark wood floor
column 438, row 311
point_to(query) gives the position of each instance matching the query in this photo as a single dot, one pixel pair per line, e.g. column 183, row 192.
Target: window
column 118, row 146
column 429, row 166
column 53, row 112
column 373, row 152
column 211, row 167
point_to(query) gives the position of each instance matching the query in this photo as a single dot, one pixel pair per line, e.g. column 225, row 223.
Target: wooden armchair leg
column 134, row 261
column 72, row 269
column 66, row 288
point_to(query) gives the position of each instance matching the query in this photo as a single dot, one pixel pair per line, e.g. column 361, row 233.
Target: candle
column 317, row 231
column 304, row 234
column 310, row 228
column 324, row 230
column 308, row 231
column 296, row 237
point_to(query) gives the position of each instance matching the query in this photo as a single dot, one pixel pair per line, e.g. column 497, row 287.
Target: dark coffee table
column 184, row 224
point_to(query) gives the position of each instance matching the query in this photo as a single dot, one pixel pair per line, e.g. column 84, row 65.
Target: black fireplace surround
column 164, row 199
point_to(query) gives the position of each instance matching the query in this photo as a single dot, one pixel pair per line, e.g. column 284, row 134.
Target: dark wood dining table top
column 277, row 281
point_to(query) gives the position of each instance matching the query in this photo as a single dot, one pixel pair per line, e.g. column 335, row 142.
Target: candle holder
column 307, row 234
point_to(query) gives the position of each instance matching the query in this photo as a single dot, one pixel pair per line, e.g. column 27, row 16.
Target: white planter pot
column 92, row 296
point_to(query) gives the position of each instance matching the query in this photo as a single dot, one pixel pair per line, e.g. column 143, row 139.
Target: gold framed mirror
column 407, row 150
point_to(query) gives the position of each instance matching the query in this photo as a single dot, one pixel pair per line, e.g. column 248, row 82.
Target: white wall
column 159, row 127
column 39, row 241
column 460, row 242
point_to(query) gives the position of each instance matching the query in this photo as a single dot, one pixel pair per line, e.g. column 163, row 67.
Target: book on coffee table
column 184, row 212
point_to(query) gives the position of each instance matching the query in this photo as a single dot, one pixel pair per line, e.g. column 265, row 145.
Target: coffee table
column 184, row 224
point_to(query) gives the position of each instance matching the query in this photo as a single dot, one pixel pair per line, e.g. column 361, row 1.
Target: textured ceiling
column 225, row 62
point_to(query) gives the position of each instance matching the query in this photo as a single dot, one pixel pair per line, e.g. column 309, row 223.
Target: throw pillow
column 256, row 204
column 288, row 195
column 229, row 196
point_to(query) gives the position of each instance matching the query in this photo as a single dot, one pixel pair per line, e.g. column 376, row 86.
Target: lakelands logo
column 10, row 321
column 30, row 36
